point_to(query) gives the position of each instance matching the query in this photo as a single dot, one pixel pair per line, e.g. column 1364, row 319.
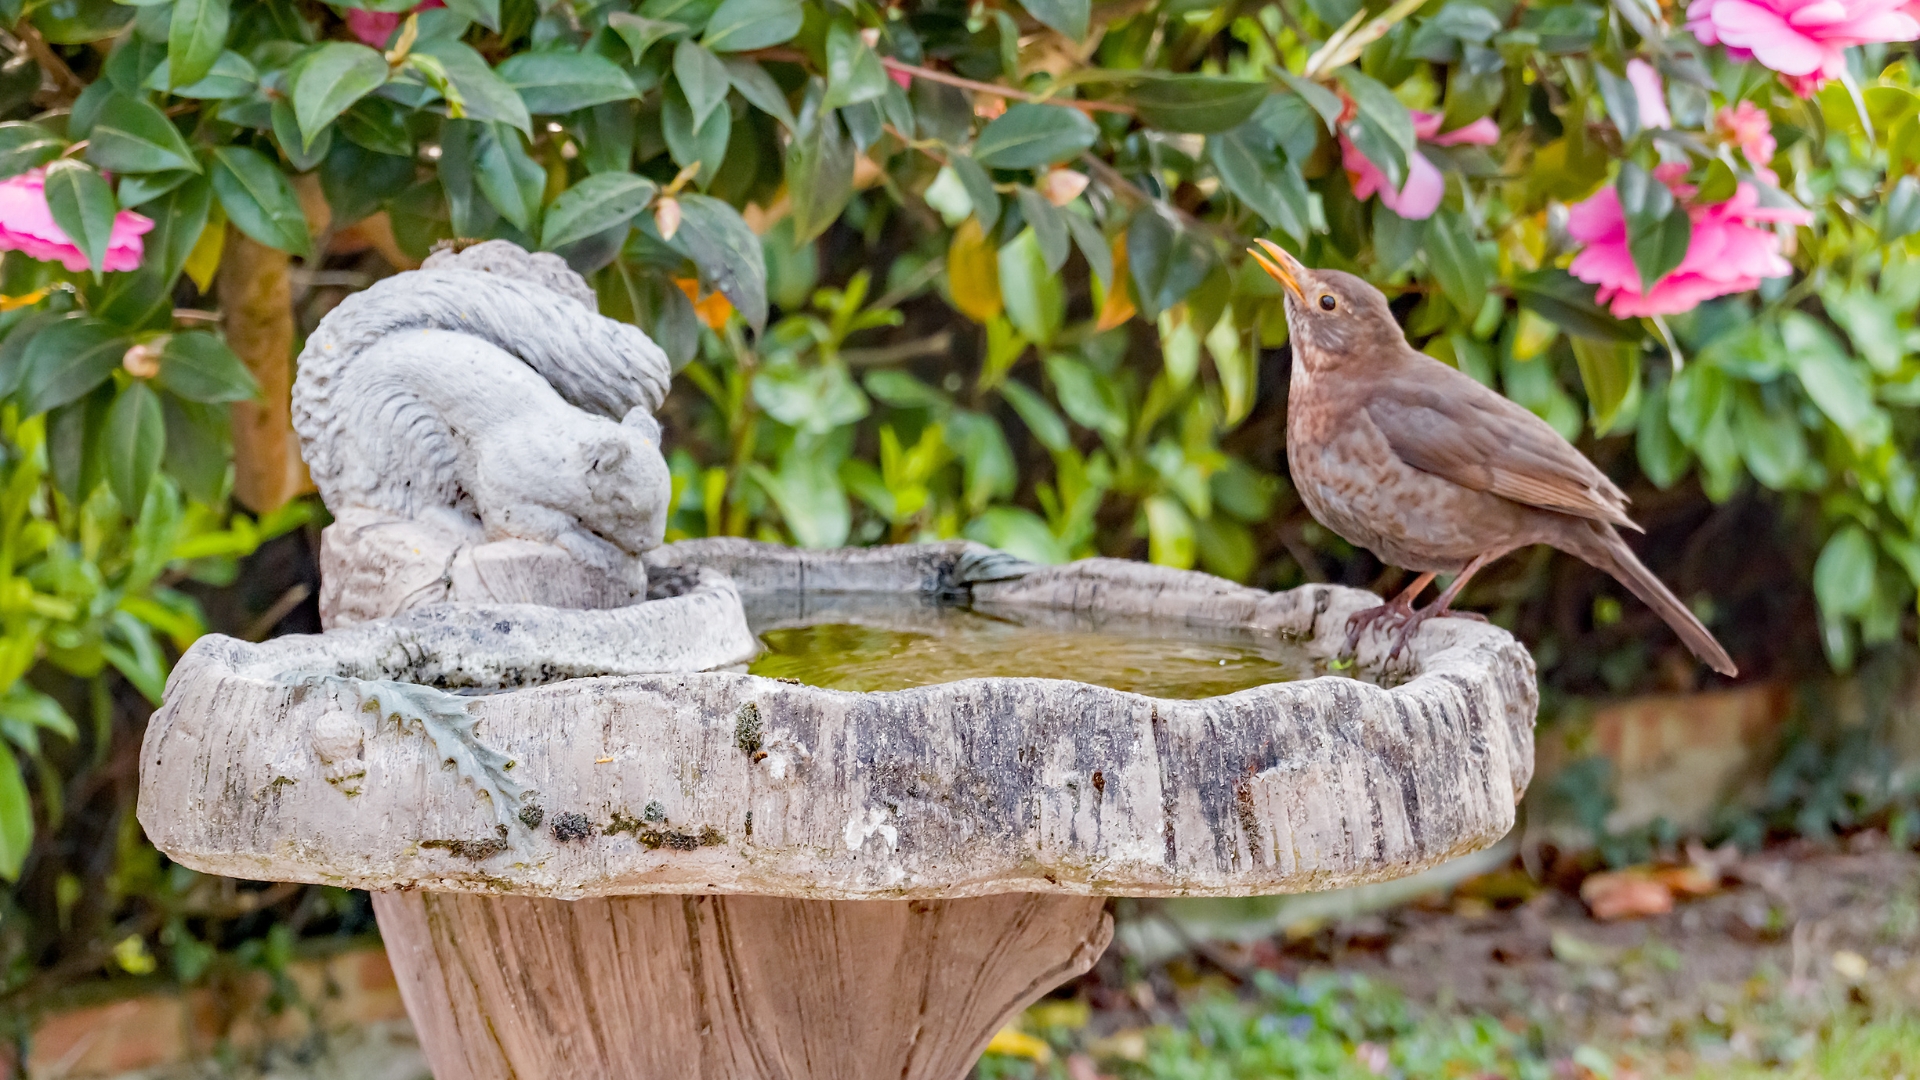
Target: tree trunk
column 255, row 289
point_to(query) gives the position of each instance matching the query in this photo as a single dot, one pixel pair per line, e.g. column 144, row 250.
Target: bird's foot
column 1392, row 612
column 1416, row 619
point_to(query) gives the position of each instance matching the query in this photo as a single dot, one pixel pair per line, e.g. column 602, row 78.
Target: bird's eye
column 1327, row 302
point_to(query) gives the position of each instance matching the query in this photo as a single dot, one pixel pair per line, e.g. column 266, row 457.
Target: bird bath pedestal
column 599, row 849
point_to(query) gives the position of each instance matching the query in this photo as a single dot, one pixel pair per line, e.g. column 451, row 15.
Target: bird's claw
column 1416, row 619
column 1360, row 621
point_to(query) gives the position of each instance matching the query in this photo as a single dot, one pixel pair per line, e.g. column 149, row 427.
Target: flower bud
column 666, row 214
column 1062, row 186
column 143, row 360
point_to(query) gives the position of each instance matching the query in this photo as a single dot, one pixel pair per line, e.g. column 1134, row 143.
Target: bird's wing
column 1443, row 422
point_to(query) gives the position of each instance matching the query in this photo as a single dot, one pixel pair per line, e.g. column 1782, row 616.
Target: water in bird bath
column 892, row 643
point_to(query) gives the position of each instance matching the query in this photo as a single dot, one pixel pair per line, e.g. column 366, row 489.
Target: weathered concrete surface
column 718, row 782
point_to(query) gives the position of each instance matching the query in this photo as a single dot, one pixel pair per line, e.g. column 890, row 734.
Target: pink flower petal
column 1482, row 132
column 1420, row 196
column 27, row 226
column 1650, row 93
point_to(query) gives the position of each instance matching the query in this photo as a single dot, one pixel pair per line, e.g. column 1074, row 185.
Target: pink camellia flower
column 26, row 226
column 1728, row 252
column 375, row 27
column 1748, row 127
column 1803, row 40
column 1650, row 94
column 1420, row 196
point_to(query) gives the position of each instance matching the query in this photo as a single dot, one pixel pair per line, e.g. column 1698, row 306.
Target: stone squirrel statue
column 482, row 401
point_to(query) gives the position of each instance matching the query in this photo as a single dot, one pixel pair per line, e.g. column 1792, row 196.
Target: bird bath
column 601, row 846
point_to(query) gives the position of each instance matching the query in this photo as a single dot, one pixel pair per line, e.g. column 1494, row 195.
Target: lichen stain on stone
column 571, row 826
column 747, row 730
column 476, row 850
column 653, row 839
column 532, row 815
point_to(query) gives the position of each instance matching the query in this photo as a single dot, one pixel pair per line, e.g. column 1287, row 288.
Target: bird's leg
column 1442, row 606
column 1394, row 610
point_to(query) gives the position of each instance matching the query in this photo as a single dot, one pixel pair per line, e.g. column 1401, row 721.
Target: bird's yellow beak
column 1284, row 267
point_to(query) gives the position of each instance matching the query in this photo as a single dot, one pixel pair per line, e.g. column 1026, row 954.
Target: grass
column 1343, row 1027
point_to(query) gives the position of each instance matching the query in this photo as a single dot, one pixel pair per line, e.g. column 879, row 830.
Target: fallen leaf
column 1012, row 1042
column 1625, row 894
column 1692, row 880
column 1850, row 965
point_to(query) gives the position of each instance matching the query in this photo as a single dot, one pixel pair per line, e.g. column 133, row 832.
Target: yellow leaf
column 1012, row 1042
column 14, row 303
column 713, row 309
column 1072, row 1014
column 973, row 273
column 1117, row 308
column 204, row 259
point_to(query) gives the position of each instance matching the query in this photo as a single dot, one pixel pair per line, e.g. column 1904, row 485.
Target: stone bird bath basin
column 598, row 848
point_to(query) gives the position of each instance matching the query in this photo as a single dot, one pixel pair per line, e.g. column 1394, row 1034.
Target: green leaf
column 178, row 218
column 301, row 153
column 1663, row 457
column 1091, row 400
column 1870, row 320
column 25, row 145
column 134, row 441
column 1658, row 229
column 1069, row 17
column 758, row 87
column 473, row 90
column 195, row 36
column 1380, row 107
column 650, row 300
column 689, row 142
column 1568, row 302
column 199, row 446
column 1028, row 136
column 819, row 175
column 1252, row 169
column 1455, row 260
column 376, row 124
column 231, row 76
column 1719, row 185
column 1035, row 301
column 1049, row 228
column 1039, row 416
column 854, row 72
column 640, row 32
column 65, row 361
column 510, row 179
column 259, row 200
column 1843, row 575
column 198, row 366
column 979, row 186
column 740, row 25
column 594, row 205
column 82, row 205
column 1772, row 442
column 484, row 12
column 1165, row 260
column 1093, row 247
column 555, row 82
column 1609, row 370
column 1203, row 104
column 1319, row 98
column 703, row 80
column 1835, row 382
column 330, row 78
column 133, row 136
column 469, row 211
column 730, row 257
column 16, row 816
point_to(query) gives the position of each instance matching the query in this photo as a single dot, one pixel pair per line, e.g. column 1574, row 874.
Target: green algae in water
column 1164, row 660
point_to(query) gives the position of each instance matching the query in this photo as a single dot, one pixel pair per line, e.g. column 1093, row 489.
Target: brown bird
column 1431, row 471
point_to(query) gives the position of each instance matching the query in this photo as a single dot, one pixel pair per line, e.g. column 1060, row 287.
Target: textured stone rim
column 720, row 782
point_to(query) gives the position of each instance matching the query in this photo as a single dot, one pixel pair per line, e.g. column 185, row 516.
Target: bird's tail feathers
column 1602, row 547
